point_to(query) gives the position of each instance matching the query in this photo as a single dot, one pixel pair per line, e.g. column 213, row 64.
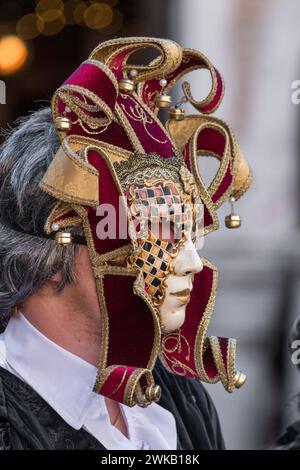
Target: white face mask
column 178, row 287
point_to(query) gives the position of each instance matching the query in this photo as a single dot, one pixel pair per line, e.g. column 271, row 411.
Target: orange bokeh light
column 13, row 54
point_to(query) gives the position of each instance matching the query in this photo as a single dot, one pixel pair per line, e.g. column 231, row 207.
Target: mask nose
column 187, row 261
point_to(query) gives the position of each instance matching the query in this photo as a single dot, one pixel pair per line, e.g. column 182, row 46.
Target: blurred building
column 256, row 46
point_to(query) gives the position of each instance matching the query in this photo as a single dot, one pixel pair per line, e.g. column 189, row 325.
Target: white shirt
column 66, row 382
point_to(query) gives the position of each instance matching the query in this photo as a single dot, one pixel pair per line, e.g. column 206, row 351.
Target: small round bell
column 153, row 393
column 163, row 101
column 177, row 113
column 126, row 85
column 64, row 238
column 233, row 221
column 239, row 379
column 62, row 123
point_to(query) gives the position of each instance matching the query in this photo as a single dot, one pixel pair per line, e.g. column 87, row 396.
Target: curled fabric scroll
column 191, row 60
column 198, row 137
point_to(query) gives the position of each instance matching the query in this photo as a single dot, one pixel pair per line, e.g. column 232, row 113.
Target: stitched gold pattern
column 168, row 60
column 71, row 181
column 137, row 113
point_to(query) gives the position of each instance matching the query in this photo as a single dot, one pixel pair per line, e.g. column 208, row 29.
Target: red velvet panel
column 218, row 96
column 209, row 139
column 96, row 80
column 114, row 387
column 131, row 328
column 203, row 282
column 210, row 367
column 152, row 137
column 117, row 63
column 226, row 182
column 108, row 194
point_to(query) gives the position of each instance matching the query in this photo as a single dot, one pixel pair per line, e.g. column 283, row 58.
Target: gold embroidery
column 168, row 60
column 138, row 114
column 70, row 180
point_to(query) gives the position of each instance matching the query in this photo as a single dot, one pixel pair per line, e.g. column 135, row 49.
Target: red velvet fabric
column 151, row 136
column 131, row 327
column 95, row 80
column 114, row 386
column 191, row 61
column 118, row 62
column 214, row 103
column 202, row 288
column 211, row 140
column 108, row 194
column 224, row 185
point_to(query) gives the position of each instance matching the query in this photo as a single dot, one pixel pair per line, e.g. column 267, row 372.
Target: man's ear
column 54, row 281
column 57, row 277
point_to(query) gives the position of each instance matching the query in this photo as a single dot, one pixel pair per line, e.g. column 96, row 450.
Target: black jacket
column 291, row 438
column 28, row 422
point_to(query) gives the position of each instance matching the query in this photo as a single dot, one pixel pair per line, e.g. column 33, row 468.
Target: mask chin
column 171, row 319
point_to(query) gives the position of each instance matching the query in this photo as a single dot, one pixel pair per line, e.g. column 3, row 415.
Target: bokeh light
column 45, row 5
column 111, row 3
column 74, row 10
column 79, row 12
column 13, row 54
column 29, row 26
column 115, row 25
column 54, row 26
column 98, row 15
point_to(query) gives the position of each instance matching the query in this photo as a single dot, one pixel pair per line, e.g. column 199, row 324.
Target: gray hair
column 27, row 261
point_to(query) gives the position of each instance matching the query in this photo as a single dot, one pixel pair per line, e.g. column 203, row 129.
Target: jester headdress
column 112, row 143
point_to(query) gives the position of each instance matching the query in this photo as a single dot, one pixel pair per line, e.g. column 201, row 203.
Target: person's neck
column 74, row 326
column 64, row 322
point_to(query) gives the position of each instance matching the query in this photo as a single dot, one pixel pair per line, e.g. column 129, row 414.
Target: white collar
column 66, row 382
column 61, row 378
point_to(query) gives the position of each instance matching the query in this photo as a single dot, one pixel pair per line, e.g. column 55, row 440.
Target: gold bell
column 239, row 379
column 62, row 123
column 232, row 220
column 126, row 85
column 153, row 393
column 163, row 101
column 64, row 238
column 177, row 113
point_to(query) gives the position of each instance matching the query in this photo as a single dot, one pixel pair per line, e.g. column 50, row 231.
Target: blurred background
column 256, row 46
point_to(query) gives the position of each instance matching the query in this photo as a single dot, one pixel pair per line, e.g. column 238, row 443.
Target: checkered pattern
column 159, row 204
column 154, row 260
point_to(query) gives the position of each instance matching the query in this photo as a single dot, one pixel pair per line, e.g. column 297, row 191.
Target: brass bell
column 62, row 123
column 126, row 85
column 153, row 393
column 177, row 113
column 64, row 238
column 239, row 379
column 163, row 101
column 232, row 220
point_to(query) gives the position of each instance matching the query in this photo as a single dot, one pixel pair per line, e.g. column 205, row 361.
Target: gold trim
column 70, row 180
column 199, row 347
column 135, row 142
column 169, row 59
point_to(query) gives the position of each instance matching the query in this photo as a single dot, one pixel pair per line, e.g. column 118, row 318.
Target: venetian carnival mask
column 115, row 152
